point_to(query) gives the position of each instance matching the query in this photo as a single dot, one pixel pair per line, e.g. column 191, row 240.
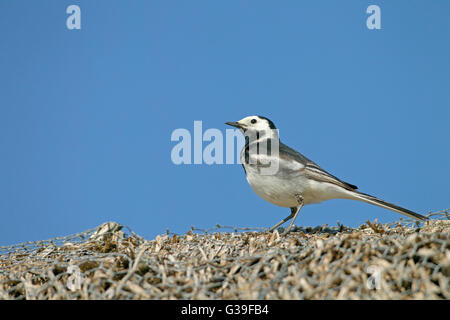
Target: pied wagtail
column 297, row 181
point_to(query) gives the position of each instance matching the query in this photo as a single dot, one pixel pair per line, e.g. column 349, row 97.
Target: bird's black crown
column 271, row 124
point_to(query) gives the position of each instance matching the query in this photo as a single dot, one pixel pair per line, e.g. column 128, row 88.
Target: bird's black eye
column 253, row 121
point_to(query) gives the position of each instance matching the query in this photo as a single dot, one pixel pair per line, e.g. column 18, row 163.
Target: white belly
column 283, row 193
column 279, row 192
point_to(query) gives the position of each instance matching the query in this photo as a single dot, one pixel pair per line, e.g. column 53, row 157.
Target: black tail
column 381, row 203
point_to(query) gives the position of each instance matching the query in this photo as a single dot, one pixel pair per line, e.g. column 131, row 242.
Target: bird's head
column 255, row 124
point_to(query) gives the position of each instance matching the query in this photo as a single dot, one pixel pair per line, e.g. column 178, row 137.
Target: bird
column 295, row 180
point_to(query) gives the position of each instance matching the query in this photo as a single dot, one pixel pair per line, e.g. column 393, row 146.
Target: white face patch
column 255, row 123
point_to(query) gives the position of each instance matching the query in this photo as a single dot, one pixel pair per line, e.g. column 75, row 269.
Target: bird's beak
column 234, row 124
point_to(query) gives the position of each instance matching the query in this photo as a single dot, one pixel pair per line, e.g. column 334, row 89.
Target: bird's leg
column 293, row 210
column 300, row 205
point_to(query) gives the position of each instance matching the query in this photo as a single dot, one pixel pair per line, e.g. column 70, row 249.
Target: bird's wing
column 311, row 169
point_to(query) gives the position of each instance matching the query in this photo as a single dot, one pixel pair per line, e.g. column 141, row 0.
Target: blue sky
column 86, row 115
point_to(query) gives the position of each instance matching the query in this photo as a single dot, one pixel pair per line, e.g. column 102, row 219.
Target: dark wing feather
column 313, row 170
